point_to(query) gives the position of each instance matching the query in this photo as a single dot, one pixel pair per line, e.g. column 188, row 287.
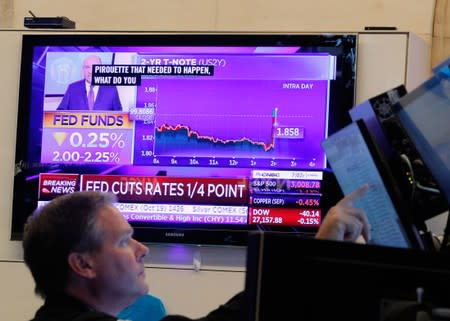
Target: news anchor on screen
column 82, row 95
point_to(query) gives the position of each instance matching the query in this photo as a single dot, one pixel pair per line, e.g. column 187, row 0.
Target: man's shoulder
column 234, row 310
column 108, row 88
column 78, row 84
column 67, row 308
column 80, row 316
column 94, row 316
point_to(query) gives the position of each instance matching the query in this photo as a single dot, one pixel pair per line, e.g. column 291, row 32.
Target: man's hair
column 65, row 225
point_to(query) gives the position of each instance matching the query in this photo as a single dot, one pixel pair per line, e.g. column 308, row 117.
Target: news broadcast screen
column 200, row 137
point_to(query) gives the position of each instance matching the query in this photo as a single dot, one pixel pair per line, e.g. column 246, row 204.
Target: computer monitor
column 415, row 181
column 425, row 115
column 295, row 278
column 377, row 115
column 356, row 160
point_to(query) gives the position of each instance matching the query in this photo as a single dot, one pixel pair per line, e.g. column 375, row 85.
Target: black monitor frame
column 423, row 115
column 290, row 277
column 26, row 190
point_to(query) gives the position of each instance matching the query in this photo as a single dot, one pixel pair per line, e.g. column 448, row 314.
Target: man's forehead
column 112, row 220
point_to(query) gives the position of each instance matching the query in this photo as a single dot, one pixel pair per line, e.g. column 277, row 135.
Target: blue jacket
column 75, row 98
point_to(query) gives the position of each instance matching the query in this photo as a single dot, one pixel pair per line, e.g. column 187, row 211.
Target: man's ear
column 81, row 264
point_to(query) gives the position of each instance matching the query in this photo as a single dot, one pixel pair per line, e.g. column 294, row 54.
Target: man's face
column 119, row 266
column 87, row 67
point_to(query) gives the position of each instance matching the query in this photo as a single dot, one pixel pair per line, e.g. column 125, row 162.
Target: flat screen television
column 202, row 137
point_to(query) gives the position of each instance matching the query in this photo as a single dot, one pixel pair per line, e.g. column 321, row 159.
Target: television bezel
column 25, row 195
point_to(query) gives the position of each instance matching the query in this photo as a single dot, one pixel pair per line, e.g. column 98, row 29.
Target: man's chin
column 140, row 291
column 144, row 288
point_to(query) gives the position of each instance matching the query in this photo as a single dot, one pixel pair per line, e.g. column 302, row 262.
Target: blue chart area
column 245, row 136
column 236, row 119
column 183, row 141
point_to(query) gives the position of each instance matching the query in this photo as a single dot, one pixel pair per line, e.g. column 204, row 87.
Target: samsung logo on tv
column 174, row 234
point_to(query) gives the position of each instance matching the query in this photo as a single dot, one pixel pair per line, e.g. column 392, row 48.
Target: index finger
column 355, row 194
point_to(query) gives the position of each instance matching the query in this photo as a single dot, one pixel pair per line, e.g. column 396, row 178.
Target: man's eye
column 124, row 242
